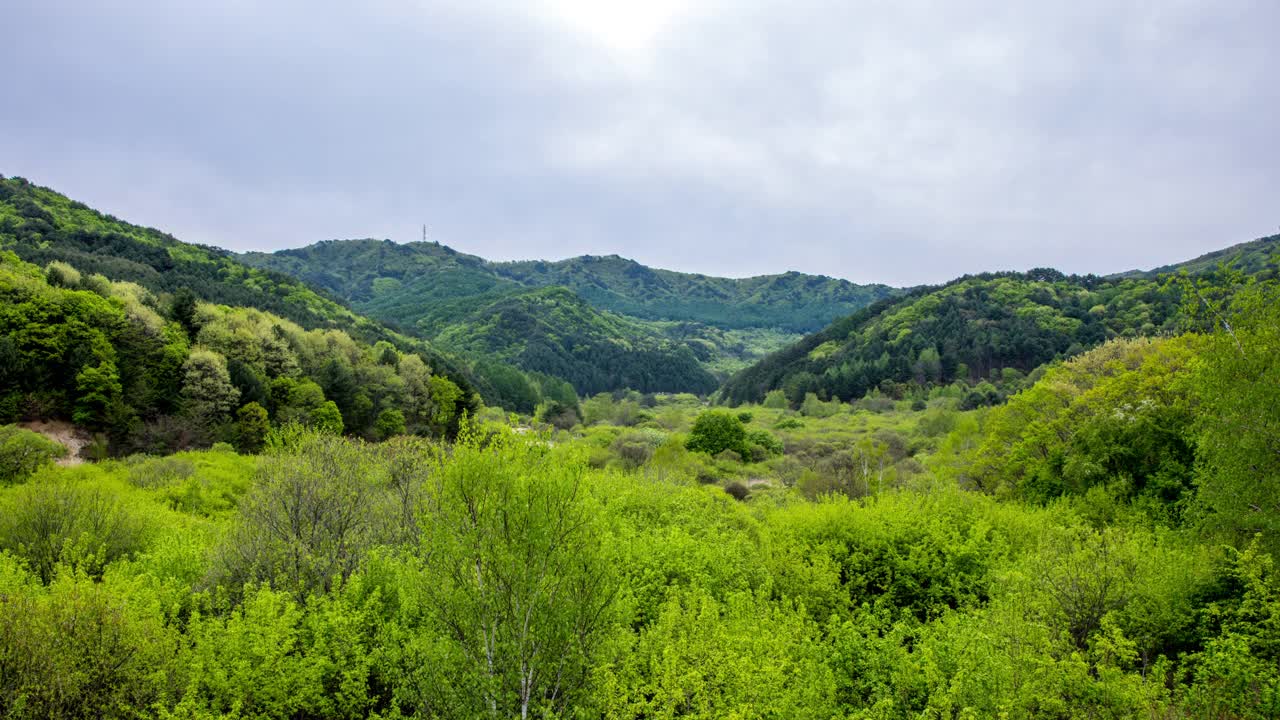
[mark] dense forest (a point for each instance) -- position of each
(1014, 495)
(42, 227)
(992, 328)
(415, 278)
(157, 377)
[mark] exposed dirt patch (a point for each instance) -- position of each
(69, 436)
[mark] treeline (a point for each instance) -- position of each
(159, 373)
(459, 301)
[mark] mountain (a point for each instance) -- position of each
(42, 226)
(993, 327)
(406, 283)
(1249, 257)
(634, 315)
(554, 331)
(792, 301)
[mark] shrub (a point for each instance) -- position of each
(55, 520)
(716, 431)
(22, 452)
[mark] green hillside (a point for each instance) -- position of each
(791, 301)
(437, 293)
(554, 331)
(1249, 257)
(42, 226)
(991, 327)
(158, 373)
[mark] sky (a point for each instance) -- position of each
(895, 141)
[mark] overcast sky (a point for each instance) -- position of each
(896, 141)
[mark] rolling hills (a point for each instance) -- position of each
(626, 321)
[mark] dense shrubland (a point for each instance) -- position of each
(1102, 545)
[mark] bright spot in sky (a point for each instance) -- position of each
(623, 26)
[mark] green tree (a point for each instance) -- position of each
(514, 579)
(776, 399)
(716, 431)
(252, 427)
(444, 403)
(206, 387)
(390, 423)
(1239, 442)
(327, 418)
(97, 388)
(182, 308)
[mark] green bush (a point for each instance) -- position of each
(716, 431)
(22, 452)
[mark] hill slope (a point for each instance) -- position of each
(1250, 257)
(41, 226)
(978, 327)
(791, 301)
(554, 331)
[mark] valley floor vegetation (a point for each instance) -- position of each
(1102, 544)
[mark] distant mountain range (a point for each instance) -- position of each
(600, 322)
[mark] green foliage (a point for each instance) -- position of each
(80, 648)
(389, 424)
(312, 515)
(53, 520)
(327, 418)
(716, 431)
(514, 579)
(23, 452)
(149, 276)
(413, 281)
(252, 427)
(1119, 417)
(703, 658)
(554, 332)
(1239, 420)
(972, 329)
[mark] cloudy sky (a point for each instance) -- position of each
(898, 141)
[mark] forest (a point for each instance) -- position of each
(1016, 495)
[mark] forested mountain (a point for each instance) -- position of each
(406, 283)
(978, 328)
(554, 331)
(791, 301)
(157, 375)
(1249, 257)
(450, 297)
(42, 226)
